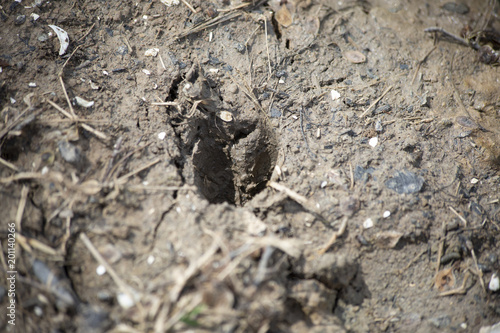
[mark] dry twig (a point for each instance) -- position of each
(333, 239)
(459, 216)
(376, 101)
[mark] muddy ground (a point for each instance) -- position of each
(266, 166)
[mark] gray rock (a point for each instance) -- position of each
(20, 19)
(440, 321)
(405, 182)
(69, 152)
(122, 50)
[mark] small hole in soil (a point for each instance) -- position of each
(233, 162)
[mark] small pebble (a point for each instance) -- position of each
(100, 270)
(373, 142)
(494, 284)
(405, 182)
(43, 37)
(474, 181)
(355, 57)
(368, 223)
(386, 214)
(69, 152)
(335, 95)
(122, 50)
(38, 311)
(458, 8)
(440, 321)
(162, 135)
(125, 301)
(20, 19)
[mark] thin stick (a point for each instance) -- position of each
(2, 259)
(456, 38)
(193, 268)
(352, 175)
(99, 258)
(74, 118)
(459, 216)
(97, 133)
(479, 271)
(292, 194)
(441, 247)
(376, 101)
(67, 97)
(122, 179)
(210, 23)
(66, 62)
(188, 5)
(20, 207)
(60, 109)
(243, 5)
(455, 91)
(412, 261)
(313, 155)
(267, 47)
(87, 33)
(8, 165)
(333, 239)
(424, 59)
(262, 270)
(162, 63)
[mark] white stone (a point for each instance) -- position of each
(100, 270)
(335, 95)
(494, 284)
(368, 223)
(152, 52)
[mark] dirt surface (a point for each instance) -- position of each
(275, 166)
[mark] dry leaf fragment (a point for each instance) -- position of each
(226, 116)
(388, 239)
(63, 38)
(355, 57)
(444, 278)
(284, 17)
(90, 187)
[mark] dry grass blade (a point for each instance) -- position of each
(52, 176)
(20, 207)
(303, 201)
(210, 23)
(125, 288)
(459, 216)
(123, 179)
(248, 92)
(376, 101)
(193, 268)
(334, 237)
(188, 5)
(31, 243)
(81, 122)
(9, 165)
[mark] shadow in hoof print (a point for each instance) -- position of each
(233, 149)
